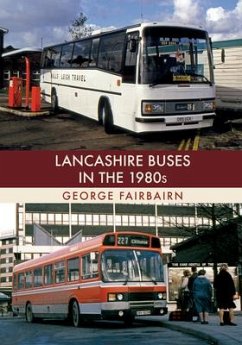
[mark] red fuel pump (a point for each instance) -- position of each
(15, 93)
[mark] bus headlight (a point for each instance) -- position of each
(120, 297)
(153, 108)
(112, 297)
(209, 105)
(161, 295)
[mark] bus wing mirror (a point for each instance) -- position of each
(132, 45)
(223, 55)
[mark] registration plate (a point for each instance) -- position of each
(182, 119)
(143, 312)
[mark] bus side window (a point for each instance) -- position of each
(15, 281)
(130, 61)
(21, 280)
(28, 279)
(73, 269)
(38, 277)
(59, 268)
(90, 266)
(48, 274)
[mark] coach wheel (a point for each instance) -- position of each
(54, 102)
(29, 313)
(75, 314)
(107, 118)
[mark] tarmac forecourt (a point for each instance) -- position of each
(213, 333)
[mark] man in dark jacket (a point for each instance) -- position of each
(225, 294)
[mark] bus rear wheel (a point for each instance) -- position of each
(54, 102)
(107, 118)
(75, 314)
(29, 313)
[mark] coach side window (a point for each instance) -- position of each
(94, 52)
(38, 277)
(55, 57)
(66, 55)
(111, 52)
(46, 61)
(59, 268)
(81, 54)
(73, 269)
(48, 275)
(129, 72)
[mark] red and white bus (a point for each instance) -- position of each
(112, 276)
(149, 77)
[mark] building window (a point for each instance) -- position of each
(58, 218)
(65, 218)
(51, 218)
(103, 219)
(36, 218)
(43, 218)
(74, 219)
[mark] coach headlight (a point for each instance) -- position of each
(209, 105)
(153, 108)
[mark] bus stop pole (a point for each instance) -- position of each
(27, 64)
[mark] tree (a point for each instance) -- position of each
(79, 28)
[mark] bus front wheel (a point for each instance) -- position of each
(29, 313)
(75, 314)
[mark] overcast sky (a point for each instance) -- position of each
(32, 22)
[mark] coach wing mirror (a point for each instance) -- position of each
(132, 45)
(223, 55)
